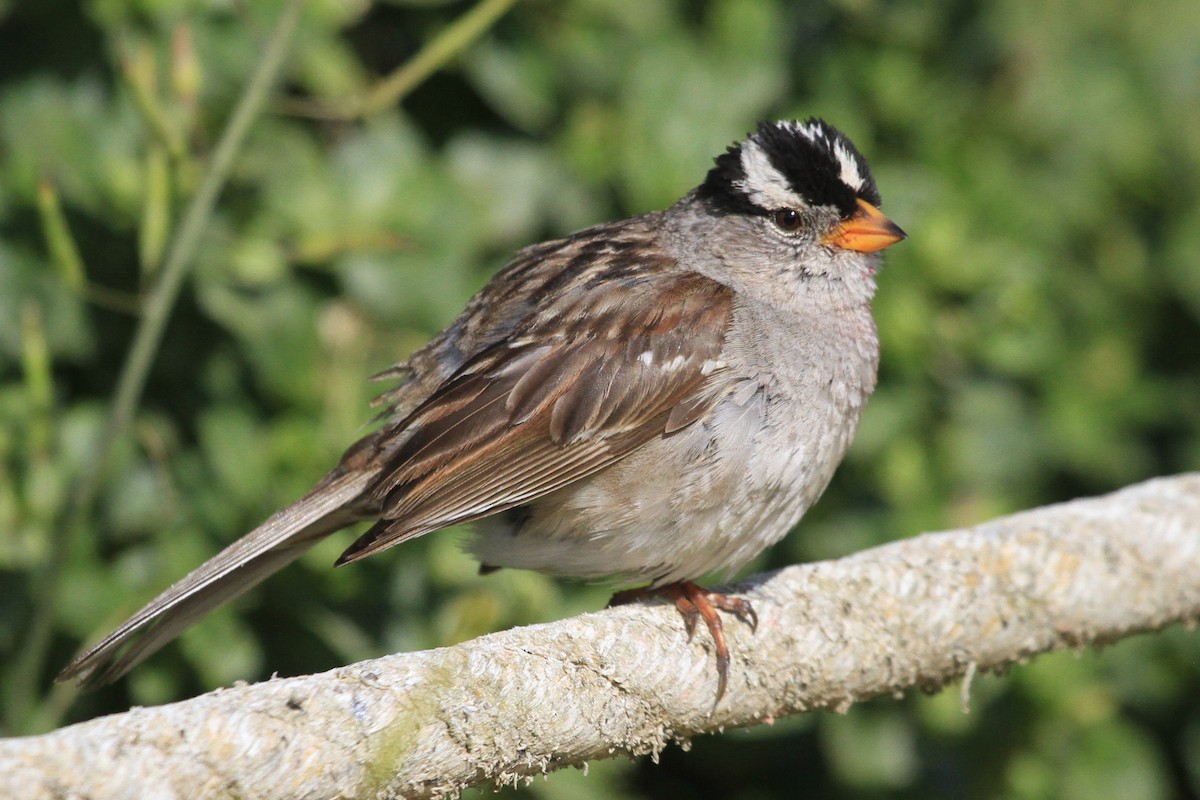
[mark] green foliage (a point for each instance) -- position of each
(1041, 326)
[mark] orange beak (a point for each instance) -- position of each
(867, 231)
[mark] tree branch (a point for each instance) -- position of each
(919, 612)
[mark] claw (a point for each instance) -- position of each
(740, 607)
(722, 673)
(687, 609)
(693, 602)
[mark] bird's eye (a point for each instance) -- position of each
(787, 220)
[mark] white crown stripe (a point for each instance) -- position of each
(849, 174)
(764, 185)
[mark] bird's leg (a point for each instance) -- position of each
(693, 603)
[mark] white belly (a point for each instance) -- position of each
(712, 496)
(708, 498)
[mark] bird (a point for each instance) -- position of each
(647, 401)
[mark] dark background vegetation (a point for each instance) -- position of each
(1041, 326)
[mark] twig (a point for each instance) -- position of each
(391, 89)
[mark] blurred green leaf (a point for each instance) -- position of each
(871, 750)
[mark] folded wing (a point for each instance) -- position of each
(526, 417)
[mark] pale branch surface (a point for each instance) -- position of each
(919, 612)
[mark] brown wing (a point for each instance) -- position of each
(601, 374)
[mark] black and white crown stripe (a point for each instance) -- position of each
(820, 133)
(791, 164)
(763, 184)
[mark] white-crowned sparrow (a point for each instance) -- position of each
(652, 399)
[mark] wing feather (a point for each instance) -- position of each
(268, 548)
(518, 422)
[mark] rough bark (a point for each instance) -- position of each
(917, 613)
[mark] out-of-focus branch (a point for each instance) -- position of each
(920, 612)
(399, 83)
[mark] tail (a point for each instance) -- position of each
(240, 566)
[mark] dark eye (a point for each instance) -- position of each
(787, 219)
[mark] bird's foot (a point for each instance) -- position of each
(694, 603)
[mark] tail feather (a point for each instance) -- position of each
(240, 566)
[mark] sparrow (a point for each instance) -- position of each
(649, 400)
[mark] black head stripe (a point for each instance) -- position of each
(723, 185)
(813, 166)
(812, 156)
